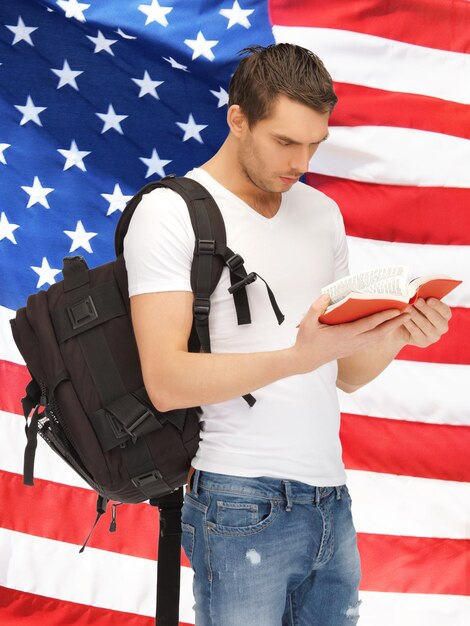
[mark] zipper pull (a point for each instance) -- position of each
(112, 527)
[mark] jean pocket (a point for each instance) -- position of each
(187, 540)
(240, 516)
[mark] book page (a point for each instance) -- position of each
(382, 280)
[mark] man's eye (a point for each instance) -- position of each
(283, 143)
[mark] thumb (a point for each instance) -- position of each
(320, 305)
(317, 308)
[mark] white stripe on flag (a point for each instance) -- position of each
(394, 156)
(97, 577)
(384, 63)
(47, 464)
(434, 393)
(386, 504)
(413, 609)
(8, 349)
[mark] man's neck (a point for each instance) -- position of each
(226, 170)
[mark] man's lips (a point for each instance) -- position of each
(289, 179)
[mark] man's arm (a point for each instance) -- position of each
(175, 378)
(428, 322)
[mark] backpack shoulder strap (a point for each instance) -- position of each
(210, 254)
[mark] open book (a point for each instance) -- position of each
(358, 295)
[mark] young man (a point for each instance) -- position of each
(267, 525)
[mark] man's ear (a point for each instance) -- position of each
(236, 120)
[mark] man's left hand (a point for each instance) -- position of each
(429, 321)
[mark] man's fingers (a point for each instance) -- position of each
(376, 319)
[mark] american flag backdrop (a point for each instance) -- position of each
(98, 98)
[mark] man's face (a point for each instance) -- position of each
(276, 151)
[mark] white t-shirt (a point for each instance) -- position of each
(292, 431)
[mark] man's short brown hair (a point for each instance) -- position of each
(267, 72)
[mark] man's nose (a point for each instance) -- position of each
(300, 160)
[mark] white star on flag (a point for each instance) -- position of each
(30, 112)
(155, 13)
(3, 147)
(111, 120)
(74, 156)
(22, 32)
(37, 194)
(117, 200)
(201, 46)
(148, 86)
(154, 164)
(74, 9)
(191, 129)
(237, 15)
(101, 43)
(221, 95)
(67, 76)
(46, 273)
(6, 229)
(175, 64)
(80, 238)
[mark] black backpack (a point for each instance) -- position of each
(86, 397)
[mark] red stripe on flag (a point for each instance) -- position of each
(430, 23)
(438, 451)
(19, 608)
(431, 215)
(64, 513)
(414, 564)
(13, 381)
(366, 106)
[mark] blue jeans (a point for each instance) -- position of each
(270, 552)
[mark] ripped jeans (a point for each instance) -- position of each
(270, 552)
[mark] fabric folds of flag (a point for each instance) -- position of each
(99, 98)
(397, 162)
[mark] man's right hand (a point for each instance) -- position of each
(318, 343)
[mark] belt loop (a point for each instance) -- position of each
(288, 495)
(317, 496)
(195, 482)
(338, 493)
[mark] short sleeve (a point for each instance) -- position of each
(159, 244)
(341, 249)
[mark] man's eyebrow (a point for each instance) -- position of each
(297, 143)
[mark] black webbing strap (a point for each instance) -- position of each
(142, 471)
(32, 397)
(201, 277)
(101, 504)
(30, 449)
(169, 557)
(238, 276)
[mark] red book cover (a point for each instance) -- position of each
(358, 304)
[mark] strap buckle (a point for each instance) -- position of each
(82, 313)
(121, 430)
(144, 480)
(201, 308)
(205, 246)
(250, 278)
(234, 262)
